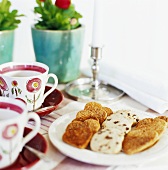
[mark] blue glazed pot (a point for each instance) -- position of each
(6, 46)
(60, 50)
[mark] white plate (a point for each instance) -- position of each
(58, 127)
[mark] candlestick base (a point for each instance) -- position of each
(82, 90)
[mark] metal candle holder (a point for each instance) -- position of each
(87, 89)
(96, 55)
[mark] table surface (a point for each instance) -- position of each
(61, 162)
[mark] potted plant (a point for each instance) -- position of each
(9, 20)
(58, 38)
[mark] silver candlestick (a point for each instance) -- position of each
(96, 55)
(87, 89)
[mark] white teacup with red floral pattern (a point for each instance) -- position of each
(26, 81)
(13, 119)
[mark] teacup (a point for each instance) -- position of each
(13, 118)
(26, 81)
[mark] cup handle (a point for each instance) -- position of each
(53, 87)
(35, 130)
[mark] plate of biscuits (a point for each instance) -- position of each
(106, 135)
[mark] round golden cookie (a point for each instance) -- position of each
(82, 115)
(74, 124)
(91, 105)
(100, 114)
(97, 111)
(77, 134)
(93, 124)
(108, 111)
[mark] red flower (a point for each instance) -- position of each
(3, 84)
(14, 83)
(33, 85)
(64, 4)
(10, 131)
(0, 157)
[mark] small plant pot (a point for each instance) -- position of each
(60, 50)
(6, 46)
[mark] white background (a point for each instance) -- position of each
(135, 31)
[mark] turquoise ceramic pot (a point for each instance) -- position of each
(60, 50)
(6, 46)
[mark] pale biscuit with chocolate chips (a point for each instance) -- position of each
(119, 122)
(107, 140)
(129, 114)
(121, 119)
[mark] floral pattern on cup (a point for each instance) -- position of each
(33, 86)
(15, 89)
(3, 86)
(10, 131)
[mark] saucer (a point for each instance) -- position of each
(27, 159)
(51, 102)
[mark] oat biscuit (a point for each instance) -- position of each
(82, 115)
(101, 115)
(108, 140)
(97, 111)
(91, 105)
(93, 124)
(138, 140)
(164, 118)
(144, 122)
(77, 134)
(158, 125)
(108, 111)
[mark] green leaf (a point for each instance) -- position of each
(8, 19)
(38, 2)
(14, 12)
(5, 5)
(38, 10)
(19, 91)
(1, 18)
(12, 91)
